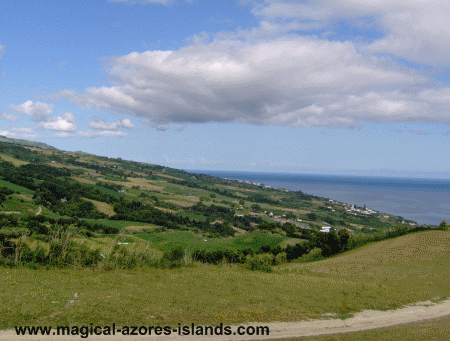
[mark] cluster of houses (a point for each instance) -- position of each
(352, 209)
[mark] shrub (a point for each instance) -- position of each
(175, 254)
(260, 262)
(313, 255)
(280, 258)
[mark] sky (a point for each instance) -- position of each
(296, 86)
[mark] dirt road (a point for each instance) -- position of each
(365, 320)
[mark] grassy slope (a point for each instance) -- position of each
(14, 187)
(383, 275)
(166, 240)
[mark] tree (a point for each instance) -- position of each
(256, 207)
(443, 225)
(312, 216)
(344, 239)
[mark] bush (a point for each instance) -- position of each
(260, 262)
(311, 256)
(255, 265)
(280, 258)
(175, 254)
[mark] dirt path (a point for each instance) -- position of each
(39, 210)
(365, 320)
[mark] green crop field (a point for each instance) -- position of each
(14, 187)
(166, 240)
(116, 223)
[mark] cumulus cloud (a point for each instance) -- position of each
(25, 132)
(7, 133)
(64, 123)
(271, 75)
(89, 134)
(286, 81)
(36, 109)
(19, 132)
(102, 125)
(415, 30)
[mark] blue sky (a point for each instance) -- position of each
(313, 86)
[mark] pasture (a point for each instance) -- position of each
(381, 276)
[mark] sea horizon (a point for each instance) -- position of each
(424, 200)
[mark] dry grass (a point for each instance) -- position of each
(102, 207)
(238, 230)
(236, 188)
(142, 183)
(141, 228)
(187, 197)
(180, 203)
(14, 161)
(167, 176)
(84, 180)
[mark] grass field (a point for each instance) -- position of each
(17, 204)
(120, 224)
(381, 276)
(16, 188)
(166, 240)
(102, 207)
(14, 161)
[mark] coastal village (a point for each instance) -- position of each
(304, 224)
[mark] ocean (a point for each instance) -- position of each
(426, 201)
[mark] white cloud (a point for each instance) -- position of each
(286, 81)
(7, 117)
(64, 123)
(90, 133)
(270, 75)
(19, 132)
(416, 30)
(35, 109)
(102, 125)
(25, 132)
(7, 133)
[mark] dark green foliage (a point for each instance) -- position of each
(259, 265)
(344, 240)
(296, 251)
(175, 254)
(312, 216)
(37, 228)
(77, 207)
(114, 187)
(4, 192)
